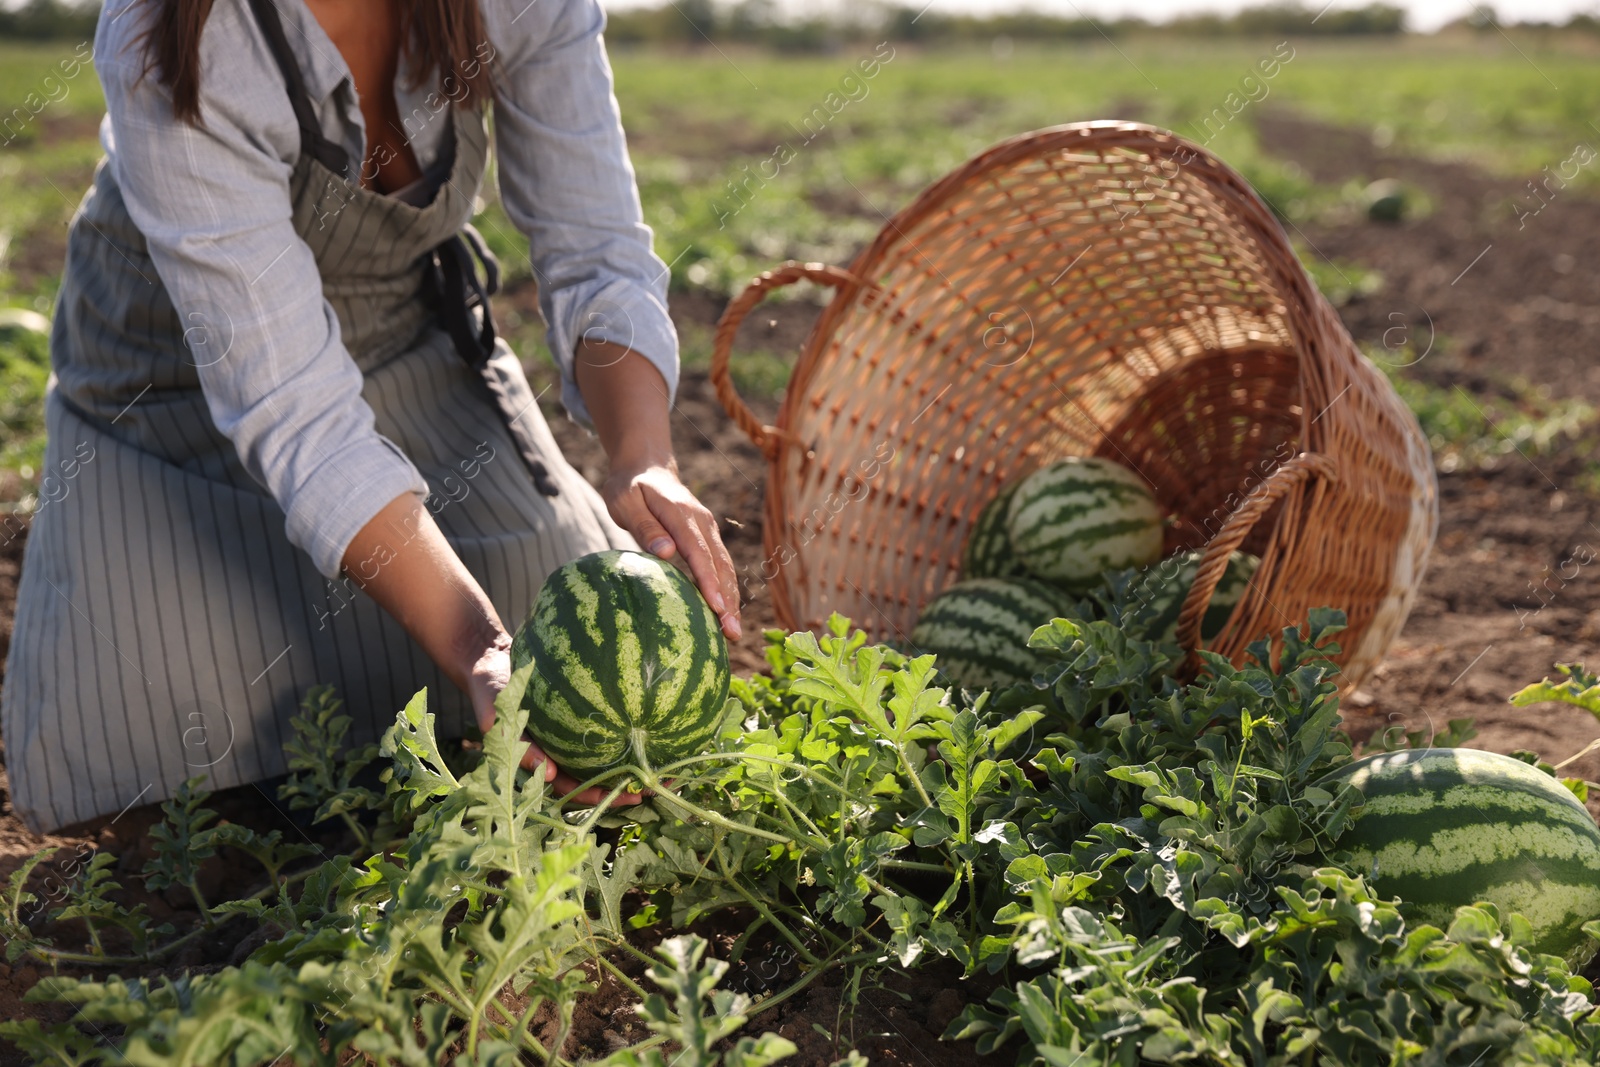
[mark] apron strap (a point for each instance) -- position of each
(313, 141)
(460, 297)
(452, 279)
(461, 293)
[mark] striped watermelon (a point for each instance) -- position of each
(1080, 516)
(979, 629)
(1446, 827)
(630, 665)
(1159, 593)
(988, 551)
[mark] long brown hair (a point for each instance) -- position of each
(442, 38)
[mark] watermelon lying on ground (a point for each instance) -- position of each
(1160, 591)
(988, 552)
(979, 629)
(1080, 516)
(1447, 827)
(629, 665)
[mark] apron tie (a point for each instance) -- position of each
(460, 294)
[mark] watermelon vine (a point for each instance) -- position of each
(1141, 872)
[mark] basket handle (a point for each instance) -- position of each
(1290, 474)
(766, 438)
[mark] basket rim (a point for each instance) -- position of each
(1293, 286)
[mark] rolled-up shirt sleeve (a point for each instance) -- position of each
(567, 183)
(213, 203)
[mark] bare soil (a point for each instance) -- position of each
(1502, 601)
(1507, 594)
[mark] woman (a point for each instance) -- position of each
(274, 365)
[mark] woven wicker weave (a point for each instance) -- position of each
(1099, 289)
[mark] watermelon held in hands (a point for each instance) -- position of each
(624, 664)
(979, 629)
(1447, 827)
(1080, 516)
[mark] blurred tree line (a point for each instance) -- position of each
(761, 22)
(50, 20)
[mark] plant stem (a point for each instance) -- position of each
(641, 956)
(811, 773)
(790, 809)
(521, 1038)
(205, 910)
(552, 1054)
(1584, 751)
(905, 761)
(449, 996)
(810, 976)
(363, 842)
(782, 927)
(972, 896)
(653, 783)
(58, 955)
(616, 972)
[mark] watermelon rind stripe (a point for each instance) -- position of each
(979, 629)
(629, 660)
(1546, 904)
(1487, 843)
(1441, 828)
(1079, 516)
(988, 552)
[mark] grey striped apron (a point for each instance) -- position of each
(165, 626)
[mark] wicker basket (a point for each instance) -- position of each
(1105, 289)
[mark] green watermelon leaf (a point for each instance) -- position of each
(420, 771)
(1579, 688)
(60, 1044)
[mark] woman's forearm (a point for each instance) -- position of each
(627, 399)
(402, 560)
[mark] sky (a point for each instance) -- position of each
(1424, 14)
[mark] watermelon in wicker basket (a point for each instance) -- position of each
(1100, 289)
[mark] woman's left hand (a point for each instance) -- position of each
(627, 398)
(650, 502)
(488, 675)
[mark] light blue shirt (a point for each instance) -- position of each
(213, 204)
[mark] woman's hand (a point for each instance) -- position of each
(627, 399)
(404, 563)
(652, 504)
(488, 676)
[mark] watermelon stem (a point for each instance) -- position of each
(809, 773)
(811, 975)
(620, 975)
(1590, 747)
(914, 865)
(653, 783)
(812, 834)
(777, 924)
(1247, 725)
(652, 780)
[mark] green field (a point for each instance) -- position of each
(744, 159)
(698, 122)
(1117, 866)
